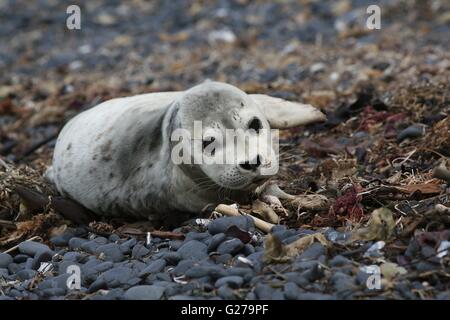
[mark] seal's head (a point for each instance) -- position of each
(228, 139)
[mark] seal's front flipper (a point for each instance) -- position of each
(283, 114)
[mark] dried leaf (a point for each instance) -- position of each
(235, 232)
(275, 251)
(423, 188)
(390, 270)
(310, 202)
(265, 211)
(380, 227)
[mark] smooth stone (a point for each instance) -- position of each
(175, 244)
(114, 237)
(111, 294)
(5, 260)
(248, 249)
(182, 267)
(72, 256)
(291, 291)
(92, 245)
(32, 247)
(42, 256)
(314, 296)
(172, 258)
(13, 268)
(26, 274)
(20, 258)
(339, 261)
(200, 236)
(232, 246)
(225, 292)
(243, 272)
(424, 266)
(154, 267)
(144, 292)
(313, 274)
(113, 278)
(139, 251)
(263, 291)
(233, 282)
(205, 270)
(313, 252)
(4, 272)
(127, 245)
(221, 225)
(193, 249)
(50, 292)
(343, 284)
(76, 243)
(216, 240)
(223, 258)
(111, 251)
(297, 278)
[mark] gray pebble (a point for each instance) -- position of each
(4, 272)
(76, 243)
(315, 296)
(139, 251)
(111, 251)
(153, 267)
(291, 291)
(193, 249)
(26, 274)
(92, 245)
(221, 225)
(225, 292)
(42, 256)
(200, 236)
(20, 258)
(113, 278)
(263, 291)
(72, 256)
(182, 267)
(114, 237)
(144, 292)
(172, 258)
(32, 247)
(313, 252)
(233, 282)
(339, 261)
(199, 271)
(127, 245)
(215, 241)
(5, 260)
(232, 246)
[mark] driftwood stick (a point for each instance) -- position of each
(16, 246)
(232, 212)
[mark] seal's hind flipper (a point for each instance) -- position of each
(283, 114)
(49, 175)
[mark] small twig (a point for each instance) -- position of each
(230, 211)
(16, 246)
(8, 224)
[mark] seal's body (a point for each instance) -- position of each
(116, 158)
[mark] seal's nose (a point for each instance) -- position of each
(251, 165)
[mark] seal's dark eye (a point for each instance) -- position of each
(255, 124)
(207, 142)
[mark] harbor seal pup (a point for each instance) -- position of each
(115, 159)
